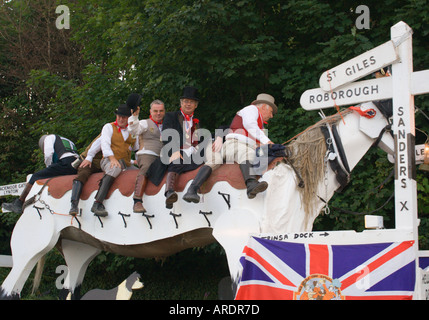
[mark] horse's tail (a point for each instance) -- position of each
(38, 274)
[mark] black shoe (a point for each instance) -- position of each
(15, 206)
(74, 209)
(253, 185)
(76, 191)
(202, 175)
(99, 210)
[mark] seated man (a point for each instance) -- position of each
(116, 146)
(89, 163)
(149, 134)
(185, 125)
(59, 154)
(246, 134)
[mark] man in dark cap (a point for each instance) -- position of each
(180, 158)
(116, 146)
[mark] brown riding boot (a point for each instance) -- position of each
(141, 183)
(170, 194)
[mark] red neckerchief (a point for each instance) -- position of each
(156, 122)
(187, 117)
(264, 122)
(119, 128)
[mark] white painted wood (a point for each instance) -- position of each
(354, 93)
(420, 82)
(358, 67)
(404, 131)
(12, 189)
(6, 261)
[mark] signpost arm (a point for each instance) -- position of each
(404, 131)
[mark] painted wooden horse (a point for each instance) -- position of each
(225, 214)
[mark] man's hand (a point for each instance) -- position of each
(217, 144)
(136, 112)
(175, 155)
(114, 163)
(85, 163)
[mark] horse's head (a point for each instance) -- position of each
(375, 123)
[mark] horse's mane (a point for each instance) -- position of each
(307, 156)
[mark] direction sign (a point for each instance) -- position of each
(420, 153)
(420, 82)
(359, 67)
(361, 91)
(12, 189)
(357, 92)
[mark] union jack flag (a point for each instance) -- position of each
(273, 270)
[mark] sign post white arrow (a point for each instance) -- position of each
(359, 67)
(354, 93)
(361, 91)
(12, 189)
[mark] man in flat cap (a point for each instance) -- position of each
(246, 134)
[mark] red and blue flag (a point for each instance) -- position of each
(277, 270)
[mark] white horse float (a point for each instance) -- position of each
(225, 214)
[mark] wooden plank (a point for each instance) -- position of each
(359, 67)
(355, 93)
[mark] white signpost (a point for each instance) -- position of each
(12, 189)
(361, 91)
(359, 67)
(354, 93)
(337, 89)
(420, 153)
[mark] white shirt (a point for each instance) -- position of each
(48, 150)
(106, 140)
(250, 116)
(95, 148)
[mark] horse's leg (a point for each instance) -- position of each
(32, 237)
(232, 230)
(78, 256)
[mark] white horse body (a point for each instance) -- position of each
(278, 210)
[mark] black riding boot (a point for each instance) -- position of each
(202, 175)
(75, 196)
(252, 183)
(98, 207)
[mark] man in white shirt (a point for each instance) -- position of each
(116, 146)
(59, 153)
(149, 134)
(246, 134)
